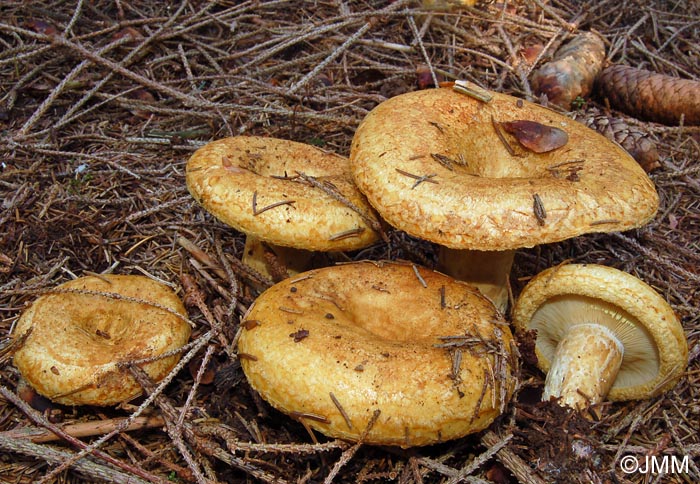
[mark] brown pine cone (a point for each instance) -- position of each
(650, 96)
(633, 140)
(572, 70)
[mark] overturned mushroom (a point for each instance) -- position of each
(78, 334)
(292, 196)
(601, 333)
(484, 196)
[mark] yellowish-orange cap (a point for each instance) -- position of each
(405, 354)
(655, 349)
(433, 165)
(80, 332)
(257, 185)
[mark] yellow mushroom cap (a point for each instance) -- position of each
(332, 346)
(432, 164)
(83, 329)
(655, 350)
(252, 184)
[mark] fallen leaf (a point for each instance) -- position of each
(142, 95)
(130, 32)
(208, 373)
(535, 136)
(672, 221)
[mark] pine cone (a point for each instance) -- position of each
(572, 70)
(650, 96)
(633, 140)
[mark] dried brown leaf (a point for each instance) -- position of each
(535, 136)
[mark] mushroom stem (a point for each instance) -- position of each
(487, 270)
(288, 261)
(585, 365)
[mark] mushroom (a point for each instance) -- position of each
(439, 165)
(382, 353)
(601, 333)
(292, 196)
(79, 334)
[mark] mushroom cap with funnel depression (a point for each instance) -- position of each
(432, 164)
(385, 353)
(79, 334)
(257, 186)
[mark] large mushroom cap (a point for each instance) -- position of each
(332, 346)
(84, 328)
(432, 164)
(253, 184)
(655, 350)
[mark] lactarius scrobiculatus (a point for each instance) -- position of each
(294, 197)
(601, 334)
(383, 353)
(443, 166)
(78, 336)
